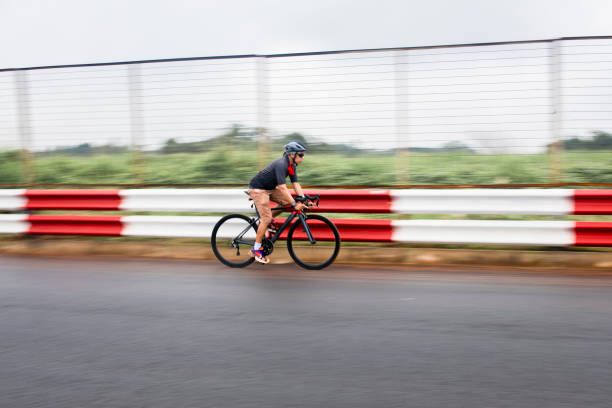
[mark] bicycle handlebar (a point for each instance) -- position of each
(315, 199)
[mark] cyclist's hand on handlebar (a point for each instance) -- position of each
(309, 201)
(299, 206)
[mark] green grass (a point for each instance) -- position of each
(237, 167)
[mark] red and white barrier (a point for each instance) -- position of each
(483, 201)
(413, 201)
(548, 233)
(13, 200)
(14, 224)
(423, 201)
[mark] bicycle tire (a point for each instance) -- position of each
(336, 239)
(216, 241)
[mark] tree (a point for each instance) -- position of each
(456, 146)
(599, 141)
(295, 136)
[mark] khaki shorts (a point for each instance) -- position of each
(262, 199)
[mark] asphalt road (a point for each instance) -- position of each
(132, 333)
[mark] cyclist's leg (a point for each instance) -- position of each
(261, 198)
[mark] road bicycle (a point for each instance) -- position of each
(313, 241)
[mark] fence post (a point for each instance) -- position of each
(24, 126)
(136, 121)
(263, 142)
(556, 127)
(402, 136)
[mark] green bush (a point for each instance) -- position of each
(589, 174)
(10, 172)
(105, 169)
(56, 170)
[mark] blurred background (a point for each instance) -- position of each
(200, 92)
(528, 112)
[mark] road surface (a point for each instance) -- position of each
(132, 333)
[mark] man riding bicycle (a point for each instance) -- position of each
(270, 184)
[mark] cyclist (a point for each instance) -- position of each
(270, 185)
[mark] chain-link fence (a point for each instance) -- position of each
(524, 112)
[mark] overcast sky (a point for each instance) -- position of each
(52, 32)
(491, 98)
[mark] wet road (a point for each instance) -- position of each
(127, 333)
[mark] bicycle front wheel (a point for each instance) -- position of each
(316, 255)
(232, 238)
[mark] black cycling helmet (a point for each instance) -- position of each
(294, 147)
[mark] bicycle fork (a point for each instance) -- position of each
(306, 229)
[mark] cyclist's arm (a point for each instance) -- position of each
(298, 188)
(283, 189)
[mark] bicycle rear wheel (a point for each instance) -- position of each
(320, 254)
(232, 238)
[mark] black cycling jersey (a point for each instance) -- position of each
(274, 174)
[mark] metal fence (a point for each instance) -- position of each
(479, 113)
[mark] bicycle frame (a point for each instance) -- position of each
(273, 239)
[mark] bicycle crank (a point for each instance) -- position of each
(267, 246)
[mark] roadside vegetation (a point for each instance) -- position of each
(232, 158)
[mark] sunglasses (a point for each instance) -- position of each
(300, 154)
